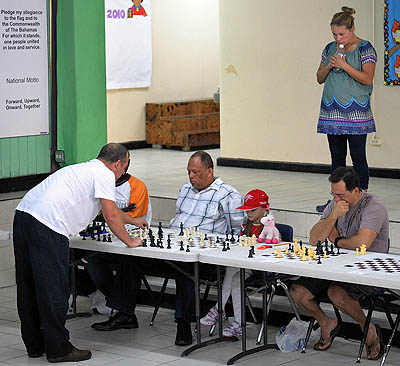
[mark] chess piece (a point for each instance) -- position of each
(287, 249)
(205, 237)
(357, 251)
(227, 246)
(232, 237)
(223, 247)
(325, 256)
(98, 237)
(278, 253)
(319, 260)
(250, 254)
(181, 226)
(109, 238)
(144, 244)
(187, 248)
(169, 241)
(212, 244)
(181, 248)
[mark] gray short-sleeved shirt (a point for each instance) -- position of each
(368, 213)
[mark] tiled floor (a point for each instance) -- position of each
(150, 346)
(164, 172)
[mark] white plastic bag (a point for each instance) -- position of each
(291, 337)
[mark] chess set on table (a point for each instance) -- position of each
(162, 238)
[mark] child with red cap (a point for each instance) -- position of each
(256, 206)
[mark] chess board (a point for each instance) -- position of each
(377, 264)
(164, 238)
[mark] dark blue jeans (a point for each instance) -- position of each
(42, 274)
(338, 149)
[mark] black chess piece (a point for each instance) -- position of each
(332, 252)
(169, 241)
(98, 237)
(144, 243)
(232, 237)
(301, 244)
(109, 238)
(187, 249)
(217, 239)
(326, 246)
(223, 246)
(104, 238)
(250, 254)
(161, 246)
(306, 251)
(205, 237)
(227, 246)
(319, 260)
(181, 248)
(181, 226)
(152, 243)
(252, 250)
(227, 237)
(160, 230)
(338, 251)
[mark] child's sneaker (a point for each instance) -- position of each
(233, 329)
(212, 317)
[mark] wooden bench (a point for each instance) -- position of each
(186, 124)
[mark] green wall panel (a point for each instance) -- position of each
(24, 156)
(82, 114)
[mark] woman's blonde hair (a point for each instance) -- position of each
(344, 17)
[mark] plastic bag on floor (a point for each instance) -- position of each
(291, 337)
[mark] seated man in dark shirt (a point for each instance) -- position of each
(351, 219)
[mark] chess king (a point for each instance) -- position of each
(352, 218)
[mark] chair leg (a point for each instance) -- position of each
(148, 288)
(211, 332)
(396, 325)
(287, 293)
(248, 303)
(308, 335)
(340, 321)
(205, 295)
(366, 327)
(271, 296)
(164, 286)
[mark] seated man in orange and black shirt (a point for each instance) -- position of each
(132, 197)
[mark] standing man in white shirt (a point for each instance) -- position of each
(62, 205)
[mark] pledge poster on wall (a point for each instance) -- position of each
(128, 43)
(24, 104)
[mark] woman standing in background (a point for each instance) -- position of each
(347, 70)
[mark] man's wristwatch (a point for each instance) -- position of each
(337, 241)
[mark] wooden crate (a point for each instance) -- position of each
(185, 124)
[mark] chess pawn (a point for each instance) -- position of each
(212, 244)
(357, 251)
(303, 256)
(287, 250)
(278, 254)
(240, 241)
(201, 243)
(253, 240)
(325, 256)
(209, 243)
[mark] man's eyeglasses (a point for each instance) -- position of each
(340, 196)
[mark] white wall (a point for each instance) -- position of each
(269, 111)
(185, 65)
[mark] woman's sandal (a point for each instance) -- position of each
(378, 341)
(327, 341)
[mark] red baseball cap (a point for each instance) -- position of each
(254, 199)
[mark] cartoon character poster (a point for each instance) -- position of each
(128, 43)
(392, 42)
